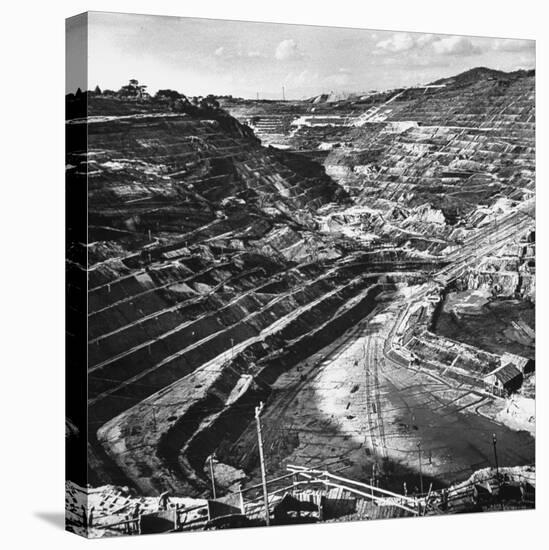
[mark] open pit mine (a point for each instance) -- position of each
(304, 311)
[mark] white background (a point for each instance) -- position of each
(32, 307)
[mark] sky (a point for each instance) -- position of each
(244, 59)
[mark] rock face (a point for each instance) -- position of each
(215, 264)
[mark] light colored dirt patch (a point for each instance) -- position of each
(350, 406)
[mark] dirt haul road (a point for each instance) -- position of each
(350, 406)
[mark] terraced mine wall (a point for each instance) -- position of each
(223, 431)
(217, 330)
(508, 273)
(473, 141)
(215, 264)
(431, 160)
(204, 261)
(209, 423)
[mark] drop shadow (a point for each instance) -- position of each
(56, 519)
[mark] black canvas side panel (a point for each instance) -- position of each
(76, 271)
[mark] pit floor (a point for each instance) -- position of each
(350, 407)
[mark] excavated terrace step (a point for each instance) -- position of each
(126, 385)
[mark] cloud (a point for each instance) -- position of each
(286, 50)
(399, 42)
(427, 44)
(455, 45)
(426, 39)
(232, 54)
(512, 45)
(416, 44)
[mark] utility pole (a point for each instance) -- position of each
(283, 94)
(262, 461)
(494, 442)
(210, 459)
(241, 499)
(420, 471)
